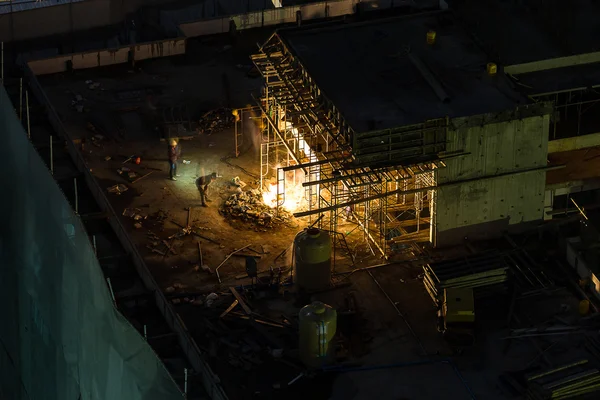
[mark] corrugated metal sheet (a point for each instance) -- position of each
(7, 7)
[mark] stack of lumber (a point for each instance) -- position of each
(572, 381)
(471, 272)
(485, 273)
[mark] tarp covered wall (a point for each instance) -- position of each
(60, 334)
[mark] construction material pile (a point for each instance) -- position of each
(572, 381)
(473, 272)
(487, 273)
(248, 206)
(215, 121)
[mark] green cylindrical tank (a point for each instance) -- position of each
(318, 323)
(312, 259)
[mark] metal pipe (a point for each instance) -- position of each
(51, 157)
(94, 244)
(423, 189)
(145, 333)
(185, 382)
(21, 99)
(76, 196)
(2, 62)
(399, 313)
(27, 113)
(276, 130)
(112, 294)
(225, 260)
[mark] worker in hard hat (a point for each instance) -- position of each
(202, 184)
(173, 153)
(236, 115)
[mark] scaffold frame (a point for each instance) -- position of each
(381, 181)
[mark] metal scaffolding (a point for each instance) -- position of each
(383, 182)
(575, 111)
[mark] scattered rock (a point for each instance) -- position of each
(248, 206)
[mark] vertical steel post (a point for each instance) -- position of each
(27, 113)
(21, 99)
(185, 382)
(76, 196)
(145, 333)
(51, 157)
(112, 294)
(2, 61)
(94, 244)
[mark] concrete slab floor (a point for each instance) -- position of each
(377, 334)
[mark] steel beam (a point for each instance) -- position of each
(420, 190)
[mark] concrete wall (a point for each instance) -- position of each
(103, 58)
(61, 19)
(499, 183)
(284, 15)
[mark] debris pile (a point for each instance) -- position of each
(215, 121)
(160, 246)
(117, 189)
(248, 206)
(136, 215)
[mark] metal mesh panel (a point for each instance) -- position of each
(60, 335)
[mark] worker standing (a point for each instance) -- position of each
(174, 153)
(202, 184)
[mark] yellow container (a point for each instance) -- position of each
(492, 69)
(431, 36)
(584, 307)
(318, 324)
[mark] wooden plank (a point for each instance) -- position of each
(238, 297)
(231, 307)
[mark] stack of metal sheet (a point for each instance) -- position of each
(470, 272)
(575, 380)
(486, 273)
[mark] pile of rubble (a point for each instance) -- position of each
(248, 206)
(216, 121)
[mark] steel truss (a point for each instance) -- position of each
(382, 181)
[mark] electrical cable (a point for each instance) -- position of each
(245, 171)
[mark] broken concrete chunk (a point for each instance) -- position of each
(212, 296)
(137, 225)
(169, 289)
(118, 189)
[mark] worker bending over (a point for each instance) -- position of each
(202, 184)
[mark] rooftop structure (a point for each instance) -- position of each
(384, 74)
(391, 118)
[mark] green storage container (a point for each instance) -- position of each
(318, 323)
(312, 259)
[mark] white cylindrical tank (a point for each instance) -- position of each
(312, 259)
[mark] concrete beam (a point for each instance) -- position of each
(574, 143)
(553, 63)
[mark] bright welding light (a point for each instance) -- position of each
(291, 194)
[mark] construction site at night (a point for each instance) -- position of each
(357, 201)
